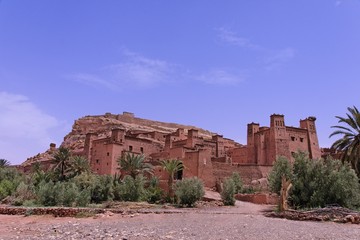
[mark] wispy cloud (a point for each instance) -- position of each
(24, 128)
(338, 3)
(278, 58)
(271, 58)
(232, 38)
(135, 70)
(221, 77)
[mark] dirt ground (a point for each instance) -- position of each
(244, 221)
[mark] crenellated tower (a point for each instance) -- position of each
(252, 128)
(279, 139)
(313, 143)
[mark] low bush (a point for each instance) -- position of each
(237, 182)
(282, 167)
(130, 189)
(101, 188)
(189, 190)
(228, 192)
(153, 192)
(317, 182)
(10, 178)
(45, 194)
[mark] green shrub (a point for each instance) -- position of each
(282, 167)
(24, 192)
(321, 182)
(6, 188)
(189, 190)
(317, 182)
(70, 194)
(102, 189)
(83, 198)
(237, 182)
(62, 194)
(30, 203)
(130, 189)
(45, 194)
(10, 174)
(228, 192)
(154, 193)
(10, 178)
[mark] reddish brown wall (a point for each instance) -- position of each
(198, 164)
(247, 173)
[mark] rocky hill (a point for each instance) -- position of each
(102, 126)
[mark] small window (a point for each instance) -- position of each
(301, 139)
(108, 153)
(141, 149)
(130, 148)
(97, 160)
(292, 138)
(178, 175)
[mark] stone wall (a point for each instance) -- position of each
(55, 211)
(258, 198)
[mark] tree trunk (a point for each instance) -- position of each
(170, 185)
(284, 194)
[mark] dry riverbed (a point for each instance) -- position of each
(244, 221)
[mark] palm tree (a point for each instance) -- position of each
(38, 174)
(349, 143)
(78, 165)
(172, 166)
(62, 162)
(4, 163)
(134, 164)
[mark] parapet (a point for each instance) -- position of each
(128, 114)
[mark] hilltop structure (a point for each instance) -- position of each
(209, 156)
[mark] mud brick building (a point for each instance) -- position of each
(209, 158)
(264, 144)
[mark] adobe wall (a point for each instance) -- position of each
(298, 140)
(177, 153)
(247, 173)
(198, 164)
(262, 147)
(103, 155)
(239, 155)
(141, 146)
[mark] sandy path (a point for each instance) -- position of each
(244, 221)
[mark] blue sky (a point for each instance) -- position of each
(214, 64)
